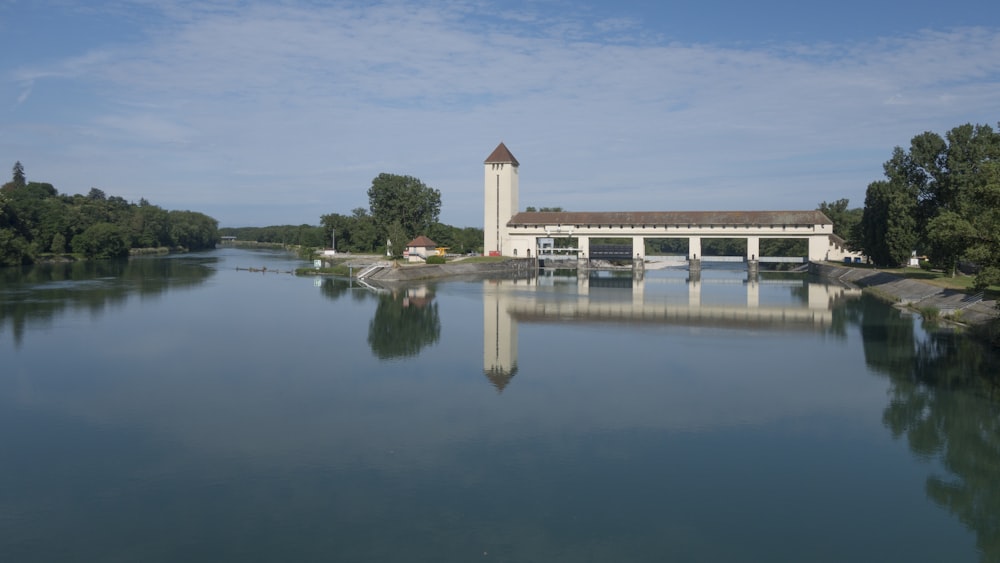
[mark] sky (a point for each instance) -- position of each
(278, 112)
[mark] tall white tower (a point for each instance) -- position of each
(501, 199)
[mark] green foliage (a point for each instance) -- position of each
(192, 230)
(888, 228)
(102, 240)
(58, 244)
(397, 235)
(149, 226)
(941, 197)
(352, 233)
(436, 260)
(13, 249)
(784, 247)
(948, 234)
(666, 246)
(402, 207)
(292, 235)
(17, 177)
(457, 240)
(930, 313)
(404, 200)
(724, 246)
(35, 218)
(846, 222)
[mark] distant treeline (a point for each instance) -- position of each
(291, 235)
(37, 222)
(353, 233)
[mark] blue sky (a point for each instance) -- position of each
(262, 113)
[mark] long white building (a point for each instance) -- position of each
(508, 231)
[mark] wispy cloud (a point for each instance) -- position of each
(226, 93)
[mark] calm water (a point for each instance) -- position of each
(180, 409)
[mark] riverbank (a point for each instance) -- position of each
(404, 273)
(953, 305)
(394, 271)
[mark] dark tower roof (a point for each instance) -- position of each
(501, 155)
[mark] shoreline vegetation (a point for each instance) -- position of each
(38, 225)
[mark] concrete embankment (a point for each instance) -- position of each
(957, 305)
(417, 272)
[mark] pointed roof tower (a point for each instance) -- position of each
(501, 154)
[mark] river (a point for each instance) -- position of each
(184, 408)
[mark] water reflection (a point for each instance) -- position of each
(940, 400)
(406, 320)
(290, 436)
(943, 400)
(38, 295)
(793, 303)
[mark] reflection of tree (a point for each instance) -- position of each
(39, 293)
(944, 400)
(335, 288)
(404, 323)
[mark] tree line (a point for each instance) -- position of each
(37, 222)
(400, 209)
(940, 198)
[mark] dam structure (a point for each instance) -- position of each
(510, 232)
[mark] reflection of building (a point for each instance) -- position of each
(587, 299)
(499, 336)
(418, 296)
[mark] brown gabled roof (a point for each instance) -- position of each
(422, 242)
(651, 218)
(501, 155)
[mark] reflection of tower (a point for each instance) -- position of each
(500, 199)
(499, 338)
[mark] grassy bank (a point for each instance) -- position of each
(960, 282)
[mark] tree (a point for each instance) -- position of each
(149, 226)
(404, 199)
(354, 233)
(397, 235)
(947, 235)
(192, 230)
(949, 179)
(18, 180)
(102, 240)
(845, 221)
(984, 242)
(888, 228)
(58, 245)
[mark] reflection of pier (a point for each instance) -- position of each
(586, 299)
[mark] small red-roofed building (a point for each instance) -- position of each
(418, 249)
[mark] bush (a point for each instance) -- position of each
(930, 313)
(436, 260)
